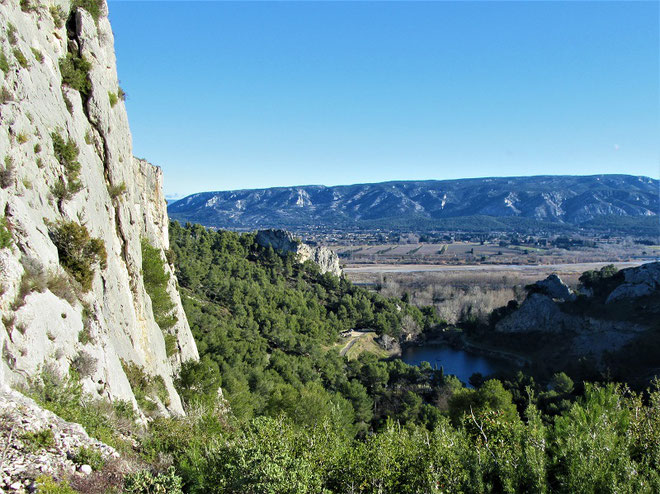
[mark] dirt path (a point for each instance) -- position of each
(354, 337)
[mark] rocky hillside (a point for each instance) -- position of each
(83, 276)
(285, 242)
(613, 320)
(567, 200)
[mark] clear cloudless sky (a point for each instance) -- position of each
(230, 95)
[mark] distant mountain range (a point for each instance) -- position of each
(620, 202)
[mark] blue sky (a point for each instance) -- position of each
(230, 95)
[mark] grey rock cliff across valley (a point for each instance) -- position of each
(284, 241)
(48, 320)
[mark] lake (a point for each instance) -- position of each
(458, 362)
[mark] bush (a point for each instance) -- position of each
(4, 62)
(89, 456)
(60, 284)
(5, 235)
(145, 482)
(20, 58)
(66, 153)
(11, 33)
(39, 440)
(46, 485)
(75, 73)
(37, 55)
(155, 282)
(78, 252)
(5, 95)
(116, 190)
(58, 14)
(63, 396)
(145, 386)
(91, 6)
(113, 98)
(7, 173)
(171, 346)
(84, 364)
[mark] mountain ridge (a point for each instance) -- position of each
(563, 199)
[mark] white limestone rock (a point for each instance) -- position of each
(116, 312)
(283, 241)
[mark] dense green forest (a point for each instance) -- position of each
(304, 419)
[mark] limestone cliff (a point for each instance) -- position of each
(66, 159)
(284, 241)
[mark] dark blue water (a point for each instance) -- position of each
(458, 362)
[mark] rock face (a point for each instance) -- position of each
(639, 282)
(284, 241)
(567, 200)
(554, 288)
(544, 311)
(47, 317)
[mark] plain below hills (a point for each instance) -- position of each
(622, 203)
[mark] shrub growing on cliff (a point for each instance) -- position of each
(66, 153)
(5, 235)
(145, 386)
(20, 58)
(91, 6)
(79, 253)
(4, 63)
(155, 282)
(75, 73)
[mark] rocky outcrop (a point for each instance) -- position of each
(52, 130)
(36, 442)
(638, 282)
(554, 288)
(550, 308)
(283, 241)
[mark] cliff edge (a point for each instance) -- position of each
(78, 212)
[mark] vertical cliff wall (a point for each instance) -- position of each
(66, 163)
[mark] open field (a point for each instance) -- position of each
(492, 252)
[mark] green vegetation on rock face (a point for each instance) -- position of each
(155, 282)
(5, 235)
(75, 73)
(79, 253)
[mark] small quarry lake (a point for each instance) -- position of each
(454, 361)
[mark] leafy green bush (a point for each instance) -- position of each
(113, 98)
(64, 397)
(5, 235)
(75, 73)
(4, 62)
(145, 386)
(91, 6)
(39, 439)
(46, 485)
(39, 57)
(79, 253)
(145, 482)
(155, 282)
(20, 58)
(89, 456)
(58, 14)
(66, 153)
(116, 190)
